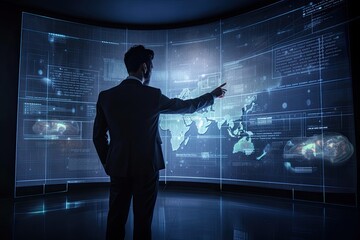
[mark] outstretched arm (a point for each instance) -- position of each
(176, 105)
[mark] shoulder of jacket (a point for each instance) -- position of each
(103, 92)
(108, 90)
(153, 89)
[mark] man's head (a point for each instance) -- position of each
(139, 59)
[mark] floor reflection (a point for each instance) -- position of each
(185, 214)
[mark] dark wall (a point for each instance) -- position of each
(10, 25)
(354, 37)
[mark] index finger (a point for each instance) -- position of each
(222, 85)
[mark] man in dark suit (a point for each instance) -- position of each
(128, 143)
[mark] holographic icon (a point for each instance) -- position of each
(56, 127)
(330, 148)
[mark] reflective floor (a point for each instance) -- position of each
(180, 214)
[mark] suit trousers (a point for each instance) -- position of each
(143, 192)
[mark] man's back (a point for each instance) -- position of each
(131, 111)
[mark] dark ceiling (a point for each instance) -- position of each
(142, 12)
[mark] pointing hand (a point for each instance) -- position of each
(219, 92)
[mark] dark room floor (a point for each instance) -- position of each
(180, 214)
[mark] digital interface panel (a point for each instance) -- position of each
(287, 120)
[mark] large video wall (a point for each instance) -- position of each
(287, 120)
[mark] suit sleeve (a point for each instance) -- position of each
(100, 137)
(176, 105)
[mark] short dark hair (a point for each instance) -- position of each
(136, 56)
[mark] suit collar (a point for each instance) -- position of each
(131, 81)
(135, 78)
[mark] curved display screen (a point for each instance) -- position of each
(287, 120)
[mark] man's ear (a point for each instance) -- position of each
(144, 67)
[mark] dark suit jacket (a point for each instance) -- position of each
(130, 113)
